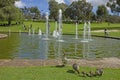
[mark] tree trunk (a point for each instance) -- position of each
(9, 21)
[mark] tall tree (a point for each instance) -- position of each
(31, 13)
(35, 12)
(26, 12)
(53, 7)
(115, 6)
(102, 12)
(8, 11)
(63, 6)
(79, 10)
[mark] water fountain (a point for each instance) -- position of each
(84, 33)
(40, 32)
(47, 27)
(60, 26)
(29, 31)
(55, 32)
(87, 33)
(76, 37)
(76, 48)
(38, 48)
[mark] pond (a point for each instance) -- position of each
(24, 46)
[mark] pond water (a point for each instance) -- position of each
(26, 46)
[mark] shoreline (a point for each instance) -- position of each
(102, 63)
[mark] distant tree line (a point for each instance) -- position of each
(82, 10)
(31, 13)
(77, 10)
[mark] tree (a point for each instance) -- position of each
(102, 12)
(63, 7)
(9, 12)
(31, 13)
(26, 12)
(114, 6)
(53, 7)
(80, 9)
(35, 13)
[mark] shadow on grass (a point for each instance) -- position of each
(60, 66)
(71, 71)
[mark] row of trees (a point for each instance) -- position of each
(77, 10)
(82, 10)
(31, 13)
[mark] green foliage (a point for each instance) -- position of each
(53, 7)
(80, 10)
(9, 12)
(31, 13)
(102, 12)
(63, 7)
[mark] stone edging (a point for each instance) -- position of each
(103, 63)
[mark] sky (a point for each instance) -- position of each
(44, 7)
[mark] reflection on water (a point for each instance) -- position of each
(35, 47)
(86, 51)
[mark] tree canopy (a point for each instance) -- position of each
(8, 11)
(77, 10)
(53, 7)
(102, 12)
(31, 13)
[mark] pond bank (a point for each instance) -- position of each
(104, 63)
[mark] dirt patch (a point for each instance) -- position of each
(104, 63)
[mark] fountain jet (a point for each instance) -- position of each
(60, 26)
(40, 32)
(55, 32)
(47, 27)
(87, 33)
(76, 37)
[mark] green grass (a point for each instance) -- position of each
(98, 26)
(53, 73)
(67, 28)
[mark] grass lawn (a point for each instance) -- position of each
(67, 28)
(53, 73)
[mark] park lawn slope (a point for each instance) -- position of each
(67, 28)
(53, 73)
